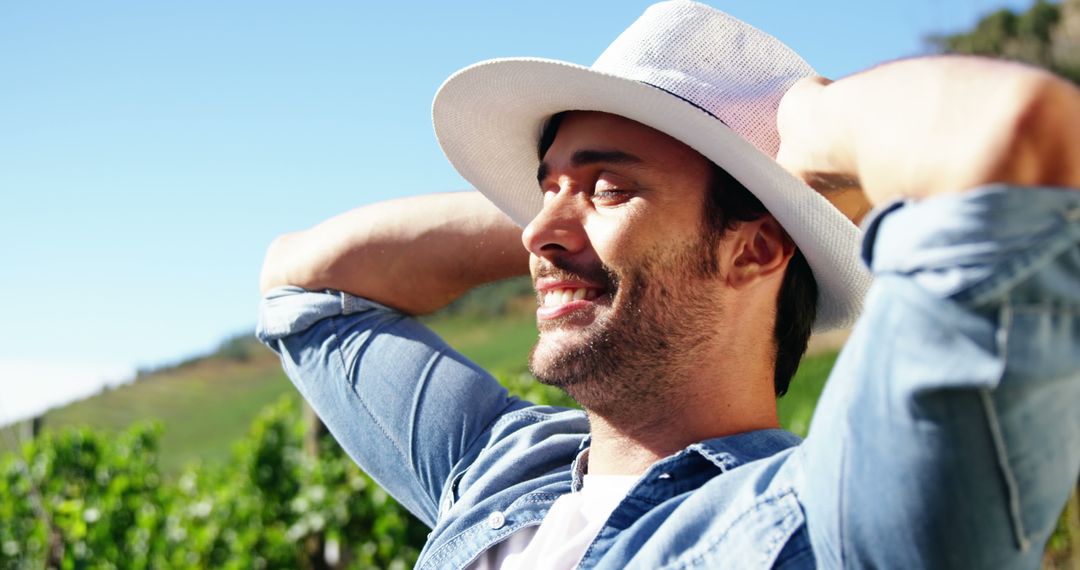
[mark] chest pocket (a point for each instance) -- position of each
(752, 538)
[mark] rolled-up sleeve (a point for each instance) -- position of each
(947, 436)
(404, 405)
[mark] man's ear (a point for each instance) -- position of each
(761, 249)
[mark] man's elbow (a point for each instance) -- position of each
(1045, 146)
(279, 265)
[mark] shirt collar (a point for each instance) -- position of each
(726, 453)
(731, 451)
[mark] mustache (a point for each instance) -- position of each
(566, 270)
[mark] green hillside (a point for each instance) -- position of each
(203, 406)
(208, 403)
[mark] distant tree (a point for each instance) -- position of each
(1046, 35)
(238, 348)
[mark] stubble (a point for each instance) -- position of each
(636, 358)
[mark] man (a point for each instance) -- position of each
(670, 301)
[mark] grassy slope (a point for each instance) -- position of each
(203, 406)
(209, 403)
(500, 345)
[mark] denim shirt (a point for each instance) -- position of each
(945, 438)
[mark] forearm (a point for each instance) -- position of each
(928, 126)
(415, 254)
(961, 434)
(950, 412)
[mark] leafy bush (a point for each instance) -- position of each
(85, 499)
(78, 498)
(90, 499)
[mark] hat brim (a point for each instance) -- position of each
(488, 118)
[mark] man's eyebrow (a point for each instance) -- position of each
(587, 157)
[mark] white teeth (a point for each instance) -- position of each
(557, 297)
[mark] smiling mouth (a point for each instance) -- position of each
(569, 293)
(558, 297)
(559, 302)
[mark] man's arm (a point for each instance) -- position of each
(946, 435)
(407, 408)
(922, 127)
(415, 254)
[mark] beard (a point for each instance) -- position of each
(637, 354)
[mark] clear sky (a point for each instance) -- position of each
(149, 151)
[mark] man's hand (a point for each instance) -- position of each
(415, 254)
(920, 127)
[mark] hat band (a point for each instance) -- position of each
(699, 107)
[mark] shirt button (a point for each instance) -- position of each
(496, 520)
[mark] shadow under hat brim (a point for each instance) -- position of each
(488, 119)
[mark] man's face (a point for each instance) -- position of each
(626, 296)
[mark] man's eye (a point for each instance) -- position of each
(609, 194)
(608, 191)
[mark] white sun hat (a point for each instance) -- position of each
(685, 69)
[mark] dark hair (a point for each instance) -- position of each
(728, 203)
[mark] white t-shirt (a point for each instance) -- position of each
(565, 533)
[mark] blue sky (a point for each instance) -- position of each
(149, 151)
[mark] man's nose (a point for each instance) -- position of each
(559, 226)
